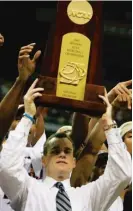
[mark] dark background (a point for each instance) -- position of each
(25, 22)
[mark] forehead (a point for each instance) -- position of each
(128, 133)
(60, 142)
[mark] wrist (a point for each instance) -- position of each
(21, 80)
(109, 125)
(29, 116)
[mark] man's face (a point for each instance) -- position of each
(59, 160)
(128, 141)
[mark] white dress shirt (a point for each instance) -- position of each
(35, 153)
(117, 205)
(4, 206)
(28, 194)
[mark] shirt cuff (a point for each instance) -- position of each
(113, 136)
(24, 126)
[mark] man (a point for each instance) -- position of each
(55, 192)
(26, 67)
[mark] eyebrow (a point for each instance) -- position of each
(57, 147)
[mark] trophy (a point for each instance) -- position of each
(70, 71)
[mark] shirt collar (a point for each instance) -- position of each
(50, 182)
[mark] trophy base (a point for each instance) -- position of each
(92, 104)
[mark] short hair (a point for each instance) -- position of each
(55, 135)
(65, 129)
(125, 128)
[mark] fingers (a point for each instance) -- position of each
(125, 98)
(1, 40)
(35, 95)
(24, 57)
(31, 95)
(124, 89)
(32, 90)
(129, 102)
(105, 92)
(36, 56)
(25, 50)
(121, 88)
(127, 83)
(33, 84)
(30, 46)
(20, 106)
(104, 99)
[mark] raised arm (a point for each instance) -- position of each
(94, 140)
(120, 89)
(26, 67)
(117, 174)
(14, 179)
(80, 128)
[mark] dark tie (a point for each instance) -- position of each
(62, 200)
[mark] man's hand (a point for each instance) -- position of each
(107, 116)
(26, 66)
(1, 40)
(123, 101)
(29, 98)
(120, 89)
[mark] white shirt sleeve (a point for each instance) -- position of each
(35, 153)
(103, 192)
(14, 179)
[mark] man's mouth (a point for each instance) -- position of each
(61, 161)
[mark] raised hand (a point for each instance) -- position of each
(1, 40)
(120, 89)
(26, 65)
(107, 116)
(29, 98)
(123, 101)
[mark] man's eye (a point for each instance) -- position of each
(67, 151)
(55, 151)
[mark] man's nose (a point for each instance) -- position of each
(62, 154)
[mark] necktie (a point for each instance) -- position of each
(62, 200)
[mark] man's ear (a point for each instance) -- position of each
(44, 161)
(74, 162)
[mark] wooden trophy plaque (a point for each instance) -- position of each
(71, 66)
